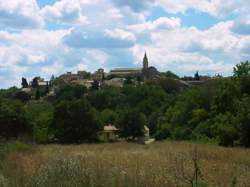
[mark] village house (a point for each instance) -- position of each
(110, 133)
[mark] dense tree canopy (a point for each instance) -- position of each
(215, 110)
(75, 121)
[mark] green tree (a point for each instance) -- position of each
(39, 116)
(12, 121)
(70, 92)
(244, 121)
(131, 123)
(75, 122)
(242, 74)
(38, 93)
(197, 76)
(8, 93)
(95, 85)
(224, 129)
(108, 116)
(24, 83)
(34, 82)
(170, 74)
(22, 96)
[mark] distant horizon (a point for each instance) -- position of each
(45, 37)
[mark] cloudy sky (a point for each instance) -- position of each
(45, 37)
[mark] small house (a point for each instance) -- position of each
(110, 133)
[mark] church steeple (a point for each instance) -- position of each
(145, 61)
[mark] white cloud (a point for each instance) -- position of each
(121, 34)
(162, 23)
(18, 14)
(66, 11)
(212, 7)
(53, 69)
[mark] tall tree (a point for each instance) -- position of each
(197, 76)
(34, 82)
(131, 123)
(75, 121)
(24, 83)
(242, 74)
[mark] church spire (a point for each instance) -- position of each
(145, 61)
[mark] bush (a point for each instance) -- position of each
(163, 132)
(12, 147)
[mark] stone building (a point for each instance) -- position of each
(145, 72)
(110, 133)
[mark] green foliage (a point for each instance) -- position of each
(8, 93)
(12, 121)
(244, 121)
(170, 74)
(242, 75)
(22, 96)
(75, 121)
(216, 110)
(10, 147)
(108, 97)
(39, 116)
(70, 92)
(224, 129)
(95, 85)
(24, 83)
(131, 123)
(108, 117)
(163, 132)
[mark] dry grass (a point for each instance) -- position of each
(126, 164)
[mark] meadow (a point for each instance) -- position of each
(123, 164)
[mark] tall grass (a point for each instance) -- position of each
(128, 165)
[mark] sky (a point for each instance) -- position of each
(45, 37)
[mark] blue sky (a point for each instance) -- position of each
(45, 37)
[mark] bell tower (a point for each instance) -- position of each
(145, 62)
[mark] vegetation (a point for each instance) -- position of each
(124, 164)
(215, 111)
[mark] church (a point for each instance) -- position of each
(146, 72)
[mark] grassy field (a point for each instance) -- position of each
(126, 164)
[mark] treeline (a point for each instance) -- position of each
(216, 111)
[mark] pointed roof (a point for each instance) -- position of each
(145, 55)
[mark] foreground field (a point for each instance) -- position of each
(126, 164)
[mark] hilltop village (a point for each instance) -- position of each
(116, 77)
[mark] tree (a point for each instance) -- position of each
(38, 94)
(95, 85)
(224, 129)
(34, 82)
(108, 116)
(244, 121)
(170, 74)
(131, 123)
(47, 88)
(242, 70)
(22, 96)
(242, 75)
(128, 80)
(75, 121)
(12, 121)
(197, 76)
(8, 93)
(39, 116)
(24, 83)
(70, 92)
